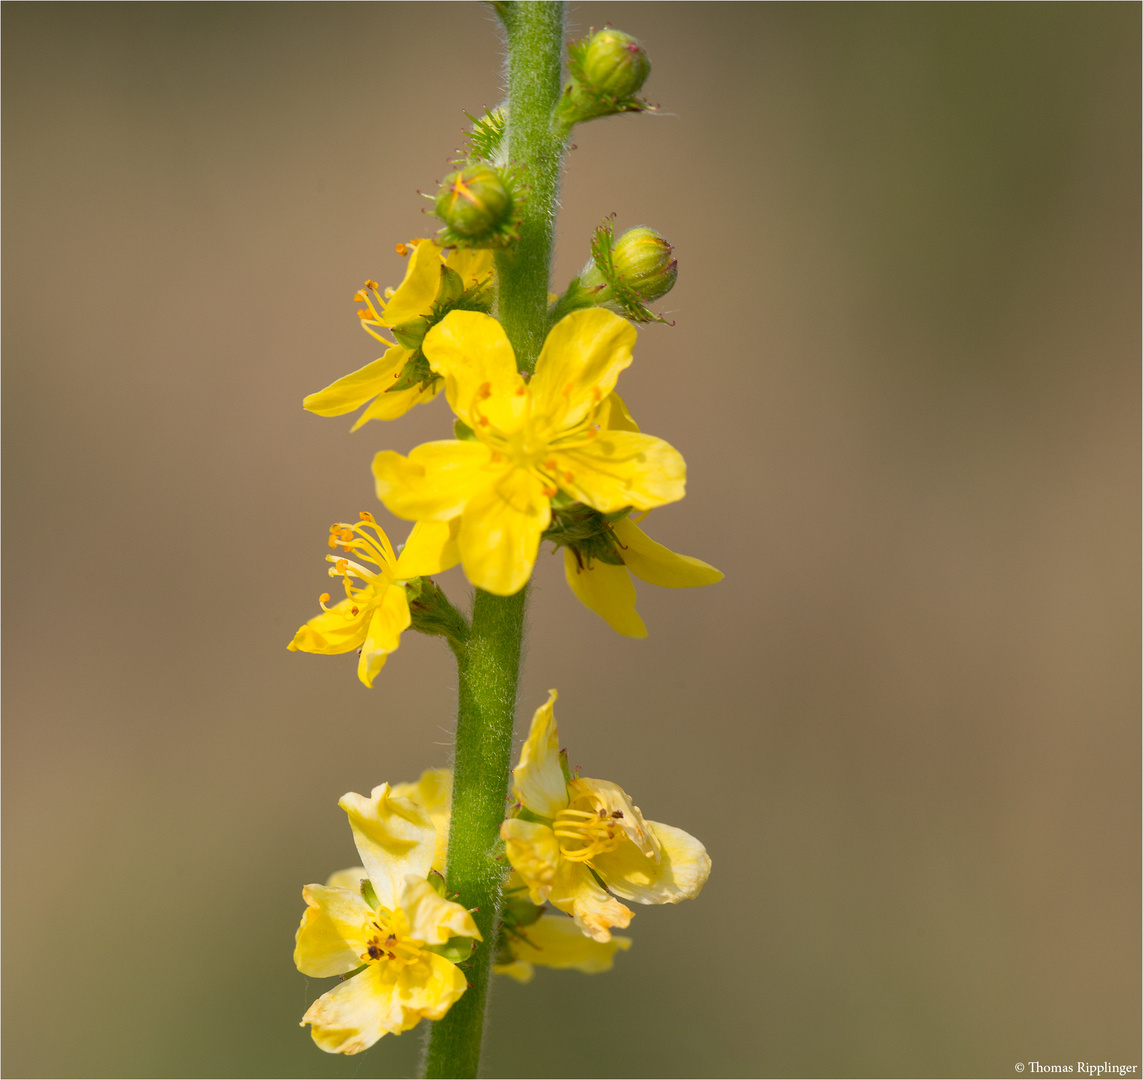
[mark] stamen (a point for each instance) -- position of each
(549, 491)
(370, 283)
(485, 390)
(402, 250)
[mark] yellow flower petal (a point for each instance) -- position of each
(679, 873)
(618, 416)
(350, 879)
(432, 918)
(595, 911)
(356, 1013)
(433, 793)
(500, 532)
(534, 852)
(472, 264)
(394, 838)
(471, 351)
(330, 939)
(353, 390)
(579, 364)
(659, 565)
(606, 590)
(555, 941)
(430, 549)
(389, 618)
(415, 295)
(517, 969)
(335, 631)
(538, 780)
(623, 468)
(429, 989)
(392, 404)
(436, 480)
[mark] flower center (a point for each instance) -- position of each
(584, 834)
(386, 940)
(368, 542)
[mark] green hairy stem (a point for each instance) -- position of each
(488, 661)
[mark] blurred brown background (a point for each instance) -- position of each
(904, 376)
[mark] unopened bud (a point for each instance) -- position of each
(474, 202)
(643, 260)
(615, 64)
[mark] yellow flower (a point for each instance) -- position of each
(555, 941)
(413, 300)
(575, 833)
(531, 441)
(376, 608)
(389, 933)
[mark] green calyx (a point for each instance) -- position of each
(585, 531)
(607, 70)
(451, 296)
(479, 205)
(486, 139)
(433, 614)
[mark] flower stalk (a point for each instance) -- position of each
(488, 663)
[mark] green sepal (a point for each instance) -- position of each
(355, 971)
(455, 949)
(416, 372)
(437, 881)
(524, 814)
(586, 531)
(484, 141)
(565, 768)
(369, 895)
(432, 613)
(462, 431)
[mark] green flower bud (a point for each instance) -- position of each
(615, 64)
(474, 202)
(642, 259)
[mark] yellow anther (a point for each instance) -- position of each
(402, 250)
(324, 598)
(596, 396)
(485, 390)
(364, 314)
(370, 284)
(548, 491)
(568, 477)
(521, 391)
(568, 389)
(360, 296)
(550, 465)
(365, 515)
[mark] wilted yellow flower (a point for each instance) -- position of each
(375, 610)
(387, 935)
(579, 832)
(531, 441)
(413, 300)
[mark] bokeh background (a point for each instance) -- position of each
(904, 374)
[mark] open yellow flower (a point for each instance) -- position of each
(415, 299)
(389, 933)
(573, 833)
(375, 610)
(531, 441)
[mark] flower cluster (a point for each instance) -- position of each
(399, 943)
(540, 448)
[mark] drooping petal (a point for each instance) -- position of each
(500, 531)
(330, 940)
(389, 619)
(519, 970)
(353, 390)
(577, 893)
(578, 366)
(415, 295)
(427, 990)
(356, 1013)
(432, 918)
(606, 590)
(619, 417)
(622, 468)
(595, 795)
(538, 780)
(334, 631)
(430, 549)
(471, 351)
(534, 852)
(394, 837)
(659, 565)
(555, 941)
(350, 879)
(679, 873)
(433, 793)
(436, 480)
(392, 404)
